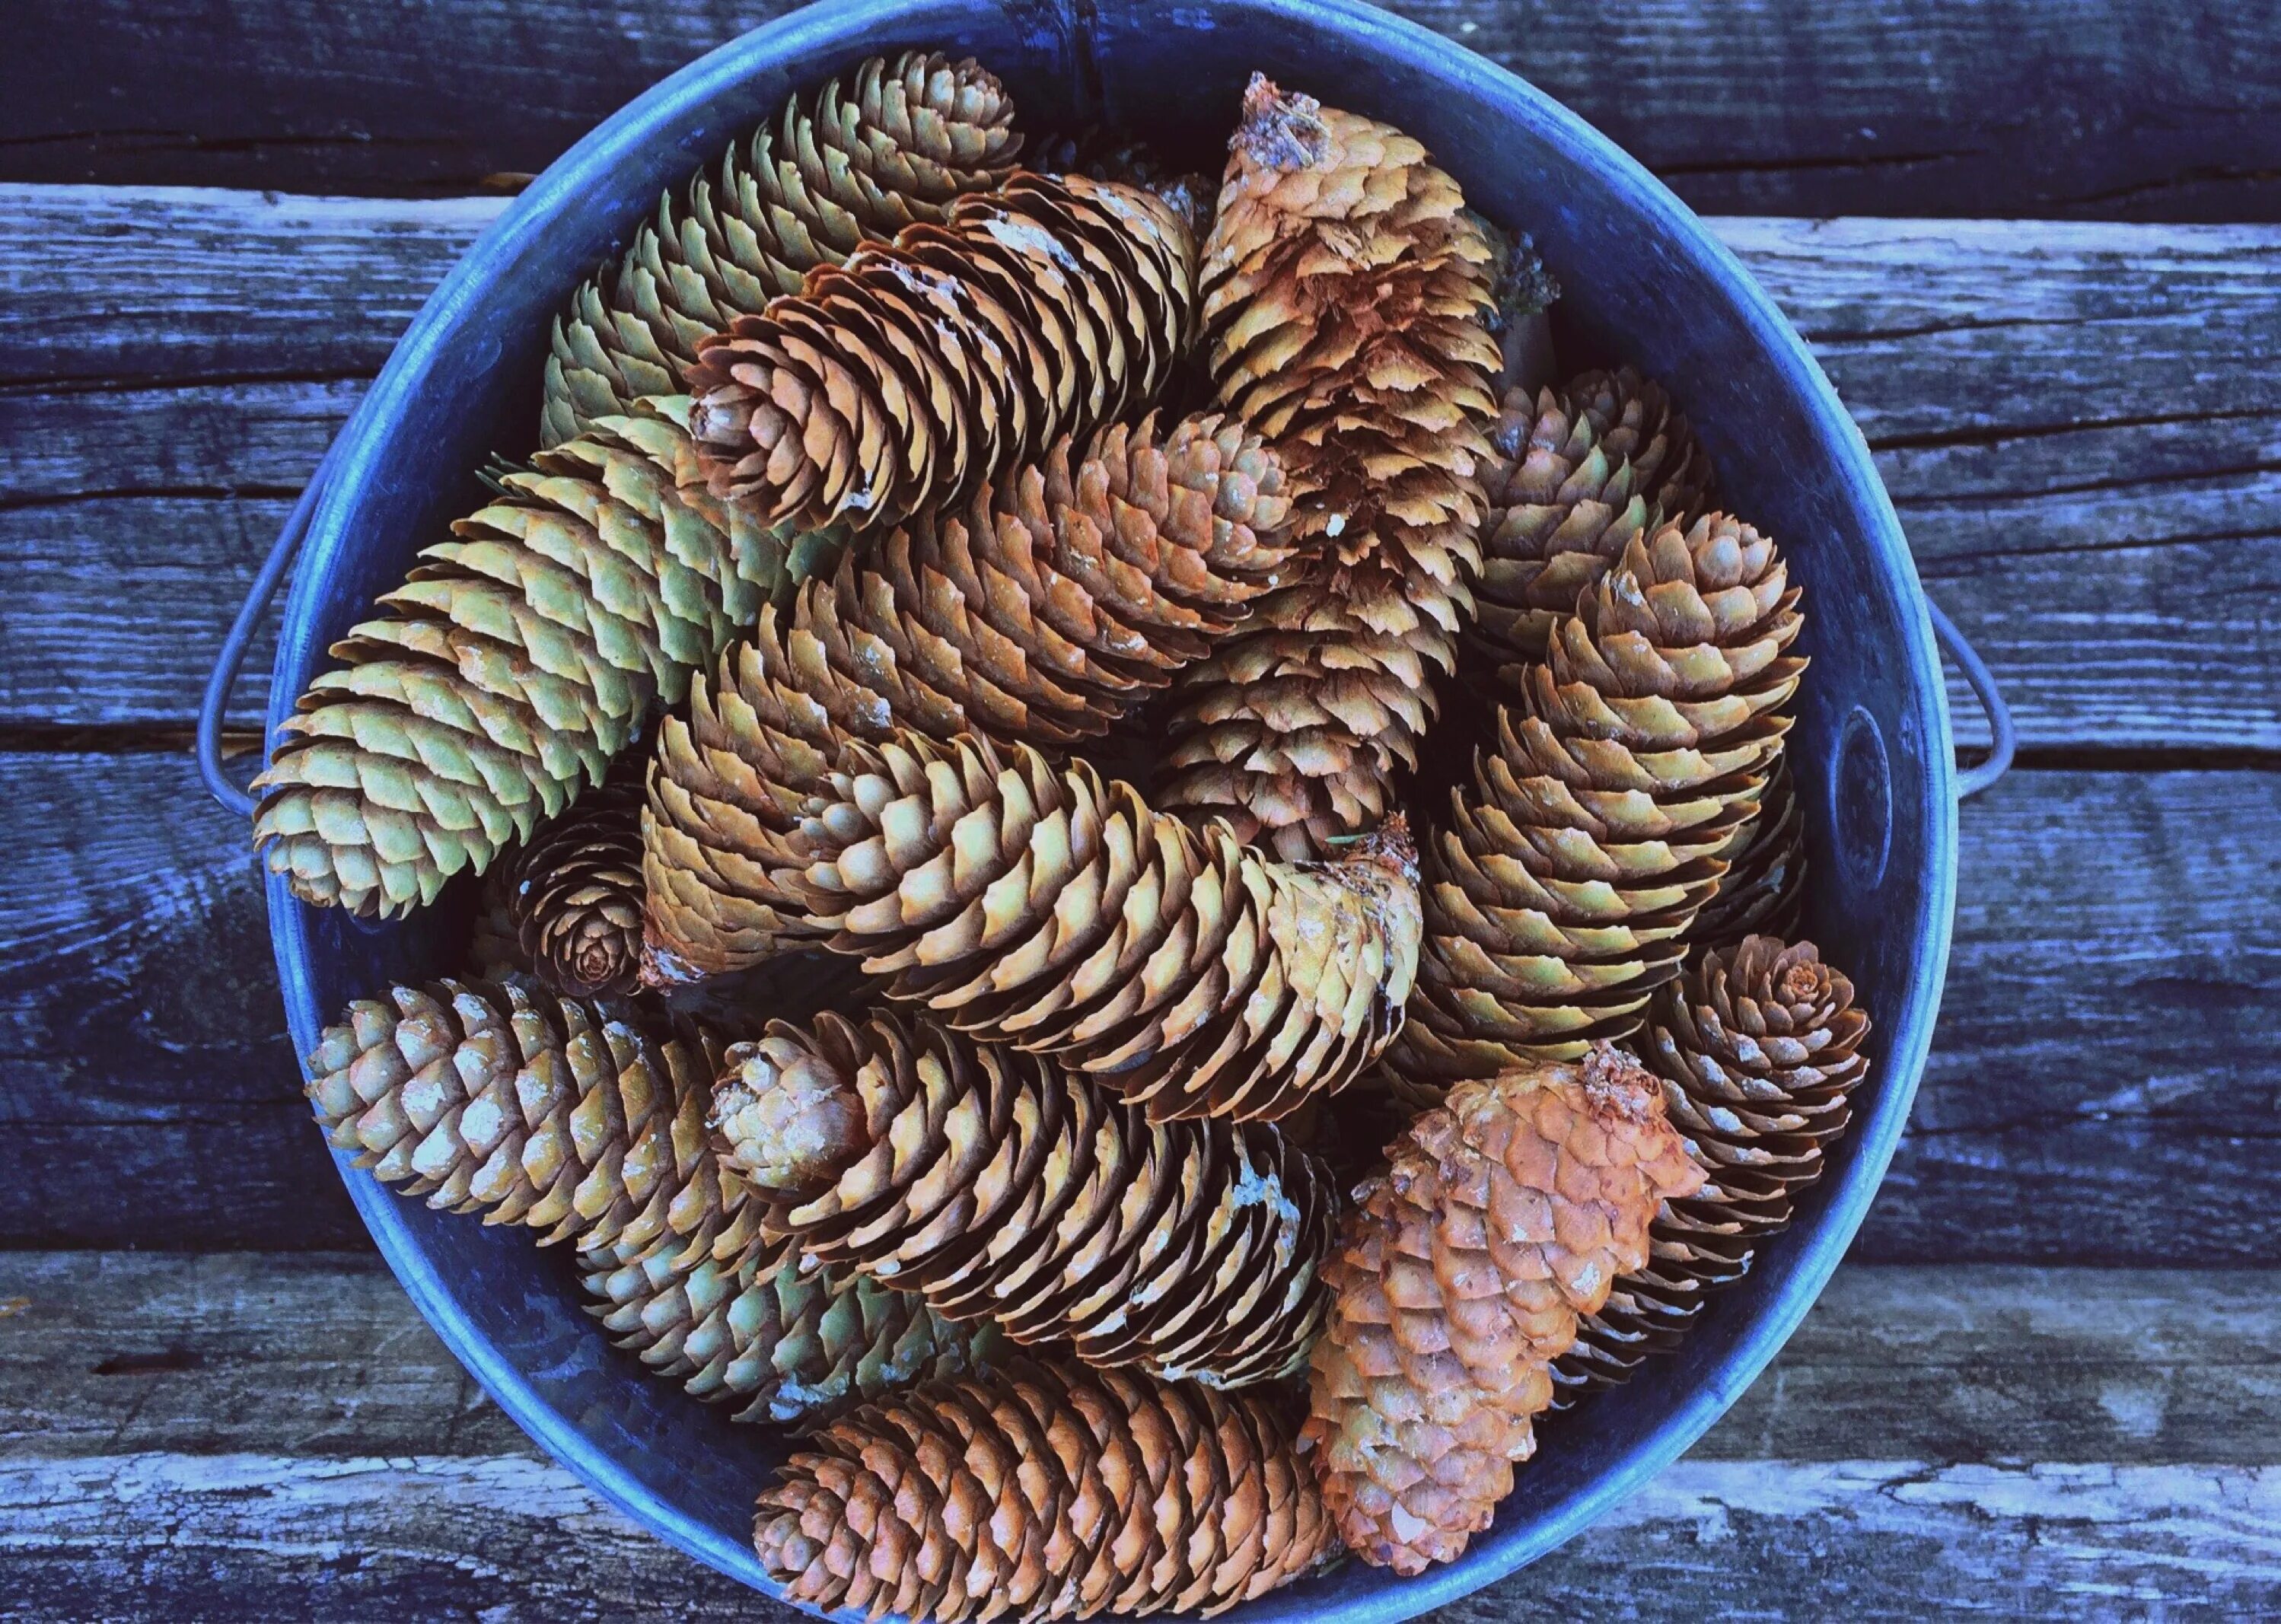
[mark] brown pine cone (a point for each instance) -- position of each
(582, 1119)
(1044, 1491)
(1580, 473)
(1002, 1187)
(1458, 1279)
(1558, 897)
(838, 169)
(509, 669)
(899, 382)
(1038, 906)
(575, 894)
(1045, 614)
(790, 1342)
(1758, 1048)
(1763, 890)
(1346, 303)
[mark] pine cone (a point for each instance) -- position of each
(575, 898)
(1579, 474)
(902, 381)
(1459, 1277)
(1004, 1188)
(1044, 614)
(837, 170)
(1558, 897)
(582, 1119)
(1758, 1048)
(1763, 890)
(1041, 906)
(1045, 1491)
(508, 670)
(1346, 302)
(792, 1344)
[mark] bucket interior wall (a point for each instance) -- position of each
(1643, 283)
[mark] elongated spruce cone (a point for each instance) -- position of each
(1758, 1049)
(1459, 1277)
(1579, 474)
(1044, 614)
(1559, 896)
(575, 897)
(899, 382)
(1004, 1188)
(513, 664)
(1038, 906)
(870, 153)
(790, 1344)
(582, 1119)
(1044, 1491)
(1347, 300)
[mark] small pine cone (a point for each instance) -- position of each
(1580, 472)
(576, 895)
(791, 1343)
(1763, 890)
(1038, 906)
(1758, 1048)
(1347, 298)
(508, 670)
(1004, 1188)
(899, 382)
(1044, 1491)
(582, 1119)
(843, 167)
(1558, 897)
(1458, 1279)
(1044, 614)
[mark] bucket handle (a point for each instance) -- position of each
(222, 680)
(2005, 739)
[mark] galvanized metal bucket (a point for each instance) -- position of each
(1644, 282)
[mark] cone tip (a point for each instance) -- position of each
(1280, 130)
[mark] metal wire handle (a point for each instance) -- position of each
(222, 680)
(2005, 740)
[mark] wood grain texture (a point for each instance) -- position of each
(2099, 1088)
(322, 1353)
(225, 1538)
(2129, 108)
(2075, 422)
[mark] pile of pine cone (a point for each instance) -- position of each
(887, 491)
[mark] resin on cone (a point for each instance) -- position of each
(1047, 1490)
(1346, 303)
(512, 665)
(1459, 1276)
(1037, 906)
(899, 382)
(895, 143)
(1558, 894)
(1002, 1187)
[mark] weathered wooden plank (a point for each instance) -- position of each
(230, 1536)
(2131, 108)
(2116, 955)
(2073, 466)
(147, 1093)
(320, 1353)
